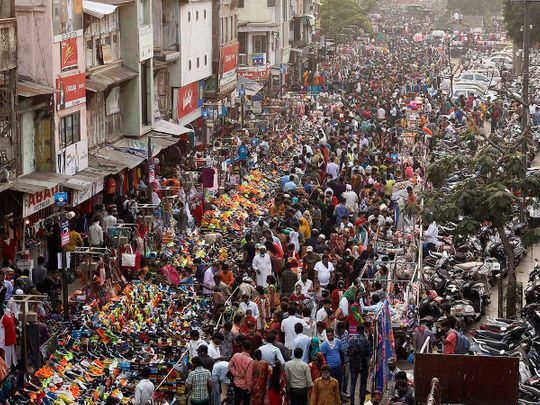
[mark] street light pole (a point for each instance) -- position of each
(65, 292)
(243, 100)
(526, 62)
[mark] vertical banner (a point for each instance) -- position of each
(68, 49)
(67, 19)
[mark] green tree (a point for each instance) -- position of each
(494, 182)
(342, 18)
(513, 20)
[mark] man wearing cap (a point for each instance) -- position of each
(262, 265)
(351, 199)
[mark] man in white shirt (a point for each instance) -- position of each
(288, 325)
(324, 268)
(213, 348)
(322, 313)
(262, 264)
(194, 342)
(95, 233)
(270, 353)
(351, 199)
(302, 341)
(381, 113)
(332, 169)
(144, 389)
(304, 281)
(248, 304)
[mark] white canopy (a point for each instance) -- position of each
(98, 10)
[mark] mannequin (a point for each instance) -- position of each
(8, 338)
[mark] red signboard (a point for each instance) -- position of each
(190, 98)
(255, 73)
(229, 57)
(69, 53)
(72, 90)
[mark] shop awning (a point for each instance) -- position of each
(251, 87)
(83, 180)
(27, 88)
(259, 27)
(98, 10)
(170, 128)
(104, 78)
(118, 158)
(139, 146)
(38, 181)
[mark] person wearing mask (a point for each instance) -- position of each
(298, 378)
(262, 265)
(325, 389)
(241, 368)
(359, 351)
(144, 390)
(199, 383)
(301, 341)
(288, 326)
(334, 356)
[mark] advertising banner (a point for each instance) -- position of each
(255, 73)
(190, 98)
(228, 62)
(33, 203)
(67, 19)
(146, 42)
(68, 49)
(73, 158)
(72, 91)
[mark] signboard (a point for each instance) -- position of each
(190, 98)
(68, 53)
(228, 61)
(151, 173)
(258, 59)
(72, 91)
(67, 19)
(64, 233)
(80, 196)
(255, 73)
(61, 198)
(146, 42)
(73, 158)
(33, 203)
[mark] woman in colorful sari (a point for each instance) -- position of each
(273, 297)
(277, 386)
(348, 298)
(263, 304)
(259, 379)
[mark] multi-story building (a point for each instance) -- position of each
(221, 86)
(263, 36)
(9, 139)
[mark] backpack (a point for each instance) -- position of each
(462, 343)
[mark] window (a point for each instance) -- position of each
(196, 15)
(235, 26)
(189, 16)
(205, 60)
(222, 39)
(198, 62)
(270, 3)
(259, 43)
(189, 65)
(226, 29)
(70, 129)
(89, 53)
(102, 39)
(112, 103)
(231, 33)
(240, 3)
(242, 42)
(204, 14)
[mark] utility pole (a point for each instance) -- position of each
(526, 61)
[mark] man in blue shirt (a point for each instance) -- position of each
(284, 179)
(242, 152)
(341, 211)
(302, 341)
(331, 349)
(290, 185)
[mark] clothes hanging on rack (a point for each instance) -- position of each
(8, 339)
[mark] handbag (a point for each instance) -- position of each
(129, 258)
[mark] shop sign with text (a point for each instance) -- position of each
(229, 61)
(73, 158)
(67, 19)
(33, 203)
(72, 91)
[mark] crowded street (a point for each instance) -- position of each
(354, 224)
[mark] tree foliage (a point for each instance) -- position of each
(493, 182)
(341, 19)
(486, 8)
(513, 20)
